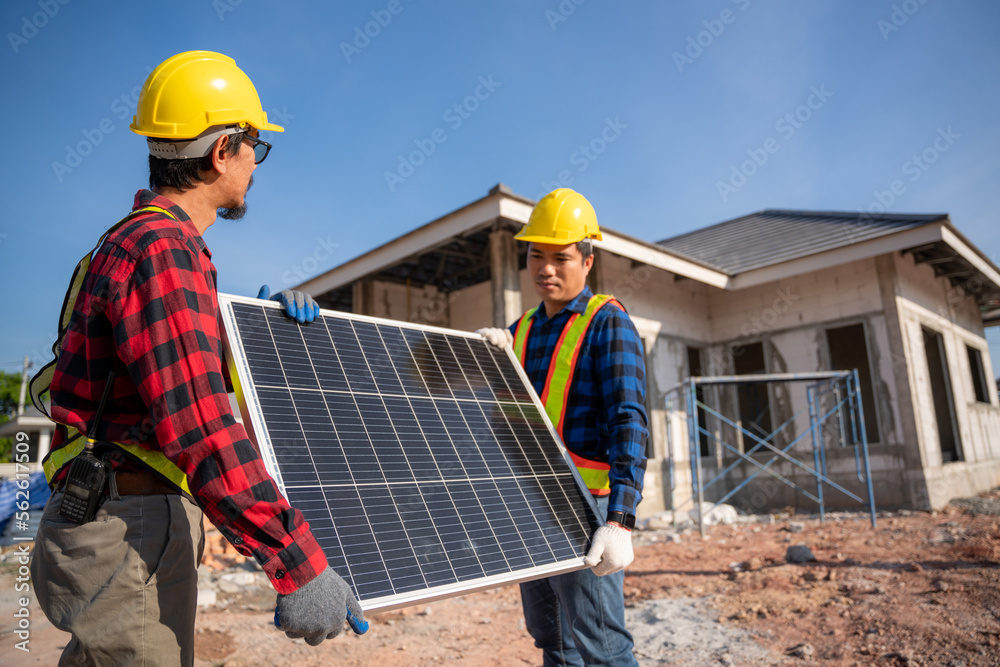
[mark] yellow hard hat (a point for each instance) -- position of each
(561, 217)
(193, 91)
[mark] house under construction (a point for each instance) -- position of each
(903, 299)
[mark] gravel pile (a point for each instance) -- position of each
(977, 506)
(686, 631)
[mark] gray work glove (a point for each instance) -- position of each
(317, 611)
(298, 305)
(610, 549)
(496, 336)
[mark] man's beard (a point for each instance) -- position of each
(235, 212)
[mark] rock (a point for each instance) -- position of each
(229, 587)
(804, 651)
(755, 563)
(862, 586)
(799, 553)
(206, 597)
(243, 578)
(976, 506)
(796, 526)
(714, 515)
(674, 537)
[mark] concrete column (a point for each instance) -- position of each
(594, 278)
(363, 297)
(44, 441)
(504, 277)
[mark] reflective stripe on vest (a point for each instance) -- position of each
(154, 461)
(555, 393)
(40, 383)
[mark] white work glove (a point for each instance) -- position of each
(610, 550)
(498, 337)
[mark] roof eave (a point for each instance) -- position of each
(499, 204)
(880, 245)
(933, 232)
(471, 217)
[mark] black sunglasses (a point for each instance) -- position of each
(260, 148)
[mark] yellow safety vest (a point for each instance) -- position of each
(555, 394)
(40, 383)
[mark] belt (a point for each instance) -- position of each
(140, 483)
(133, 483)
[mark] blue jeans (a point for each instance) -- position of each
(578, 618)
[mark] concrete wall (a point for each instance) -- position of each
(924, 301)
(467, 309)
(790, 318)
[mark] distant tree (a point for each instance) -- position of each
(10, 393)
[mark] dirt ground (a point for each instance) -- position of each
(921, 589)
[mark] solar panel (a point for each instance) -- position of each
(420, 456)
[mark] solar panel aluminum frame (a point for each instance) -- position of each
(253, 419)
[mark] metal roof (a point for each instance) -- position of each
(773, 236)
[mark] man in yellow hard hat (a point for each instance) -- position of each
(146, 439)
(585, 359)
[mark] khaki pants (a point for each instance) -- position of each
(124, 585)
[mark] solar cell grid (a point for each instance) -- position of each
(419, 456)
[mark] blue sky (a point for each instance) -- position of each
(686, 90)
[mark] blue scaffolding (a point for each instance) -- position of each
(840, 389)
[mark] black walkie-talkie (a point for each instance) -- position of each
(87, 474)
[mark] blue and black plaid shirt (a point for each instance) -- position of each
(606, 409)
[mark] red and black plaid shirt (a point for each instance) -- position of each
(148, 309)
